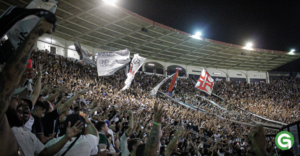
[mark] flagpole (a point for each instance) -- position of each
(249, 111)
(197, 109)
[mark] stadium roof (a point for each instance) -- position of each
(110, 28)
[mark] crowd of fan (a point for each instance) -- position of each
(63, 108)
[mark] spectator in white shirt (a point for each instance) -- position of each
(28, 142)
(82, 144)
(217, 136)
(124, 138)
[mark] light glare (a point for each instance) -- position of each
(5, 37)
(248, 46)
(110, 2)
(197, 35)
(293, 50)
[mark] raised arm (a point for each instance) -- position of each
(26, 75)
(215, 147)
(131, 124)
(91, 128)
(52, 97)
(195, 148)
(37, 88)
(92, 104)
(93, 110)
(172, 145)
(152, 145)
(44, 139)
(258, 140)
(70, 132)
(45, 91)
(9, 79)
(69, 102)
(60, 102)
(15, 66)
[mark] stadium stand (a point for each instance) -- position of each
(60, 106)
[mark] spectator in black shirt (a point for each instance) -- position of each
(51, 118)
(50, 121)
(38, 127)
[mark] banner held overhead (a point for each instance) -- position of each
(110, 62)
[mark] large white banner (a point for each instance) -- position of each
(110, 62)
(84, 56)
(20, 31)
(135, 65)
(155, 89)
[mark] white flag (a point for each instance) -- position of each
(110, 62)
(135, 65)
(155, 89)
(20, 31)
(51, 5)
(84, 56)
(205, 82)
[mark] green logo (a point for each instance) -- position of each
(284, 140)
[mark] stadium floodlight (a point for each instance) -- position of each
(197, 35)
(151, 64)
(110, 2)
(5, 37)
(248, 46)
(292, 51)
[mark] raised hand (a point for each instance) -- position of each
(130, 113)
(87, 121)
(52, 135)
(40, 68)
(157, 112)
(258, 140)
(73, 131)
(83, 91)
(179, 132)
(172, 145)
(44, 27)
(194, 146)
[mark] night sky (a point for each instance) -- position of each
(267, 24)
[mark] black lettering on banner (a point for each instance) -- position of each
(104, 63)
(136, 61)
(22, 37)
(107, 54)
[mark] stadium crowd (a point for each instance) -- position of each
(61, 107)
